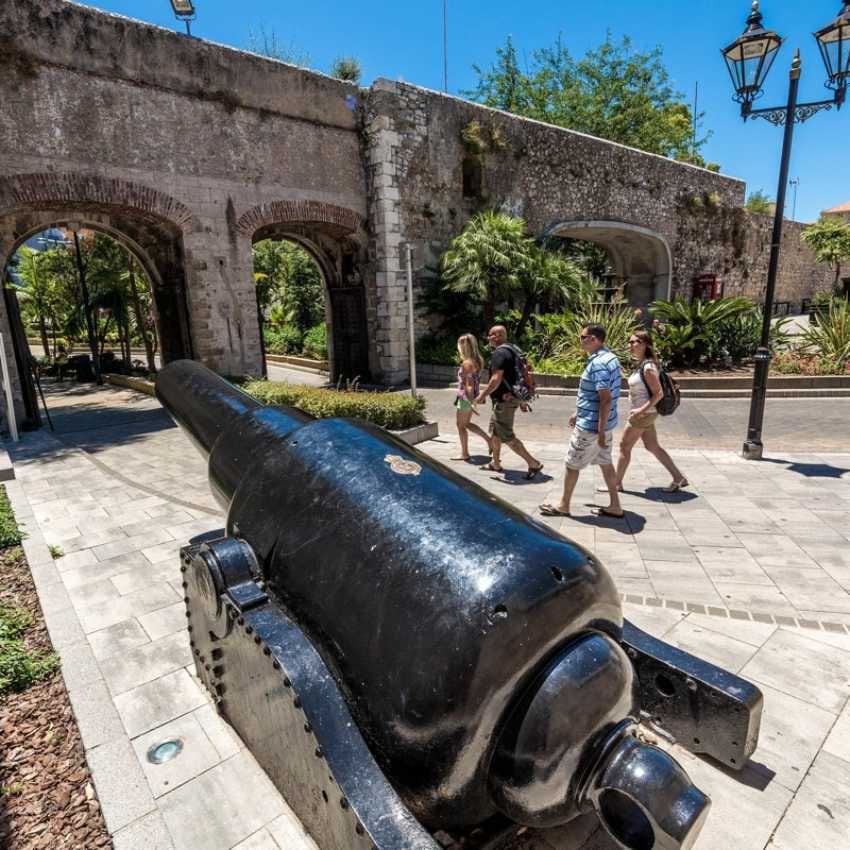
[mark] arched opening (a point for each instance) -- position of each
(132, 318)
(637, 262)
(291, 301)
(335, 248)
(68, 277)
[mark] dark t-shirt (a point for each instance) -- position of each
(504, 359)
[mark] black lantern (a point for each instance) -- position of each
(750, 57)
(834, 43)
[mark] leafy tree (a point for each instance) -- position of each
(760, 202)
(290, 287)
(613, 92)
(489, 259)
(347, 68)
(829, 238)
(38, 291)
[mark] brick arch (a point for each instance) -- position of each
(58, 190)
(298, 212)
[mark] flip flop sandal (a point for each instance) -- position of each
(533, 473)
(676, 486)
(603, 489)
(490, 468)
(551, 510)
(607, 513)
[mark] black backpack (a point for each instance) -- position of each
(672, 396)
(525, 389)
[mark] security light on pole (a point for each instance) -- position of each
(184, 10)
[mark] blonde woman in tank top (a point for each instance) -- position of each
(644, 393)
(468, 386)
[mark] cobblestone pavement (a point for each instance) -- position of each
(750, 568)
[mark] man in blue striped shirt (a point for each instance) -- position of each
(593, 423)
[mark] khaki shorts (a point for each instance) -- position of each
(585, 449)
(643, 421)
(502, 420)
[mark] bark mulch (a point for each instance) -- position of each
(47, 798)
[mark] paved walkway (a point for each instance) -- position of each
(750, 569)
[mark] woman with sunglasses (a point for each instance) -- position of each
(644, 393)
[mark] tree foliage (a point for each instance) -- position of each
(829, 238)
(495, 261)
(614, 92)
(760, 202)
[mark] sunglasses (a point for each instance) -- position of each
(586, 336)
(634, 342)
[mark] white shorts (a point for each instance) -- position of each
(585, 449)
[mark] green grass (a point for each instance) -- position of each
(19, 667)
(10, 534)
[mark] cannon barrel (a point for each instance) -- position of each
(476, 652)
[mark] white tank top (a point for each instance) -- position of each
(638, 393)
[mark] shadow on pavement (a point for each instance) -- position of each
(809, 470)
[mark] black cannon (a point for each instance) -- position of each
(409, 656)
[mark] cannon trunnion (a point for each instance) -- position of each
(406, 655)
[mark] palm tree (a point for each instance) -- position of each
(489, 259)
(550, 279)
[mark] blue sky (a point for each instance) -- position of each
(403, 40)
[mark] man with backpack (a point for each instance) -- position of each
(593, 423)
(509, 390)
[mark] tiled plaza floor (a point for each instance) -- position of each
(750, 569)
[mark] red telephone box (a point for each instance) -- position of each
(708, 287)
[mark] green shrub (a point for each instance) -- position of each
(316, 342)
(798, 363)
(440, 351)
(684, 333)
(10, 534)
(283, 339)
(830, 337)
(389, 410)
(20, 668)
(13, 622)
(737, 338)
(564, 368)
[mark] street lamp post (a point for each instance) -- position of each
(184, 10)
(749, 59)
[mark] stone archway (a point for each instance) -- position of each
(638, 255)
(148, 222)
(335, 238)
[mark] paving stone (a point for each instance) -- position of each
(73, 560)
(838, 742)
(221, 734)
(804, 668)
(96, 617)
(146, 833)
(197, 755)
(262, 840)
(135, 667)
(64, 628)
(120, 637)
(713, 646)
(165, 621)
(95, 713)
(287, 832)
(746, 631)
(160, 701)
(79, 667)
(221, 807)
(819, 816)
(121, 786)
(792, 733)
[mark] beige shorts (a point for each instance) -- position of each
(502, 420)
(585, 449)
(643, 421)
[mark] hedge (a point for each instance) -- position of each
(10, 534)
(389, 410)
